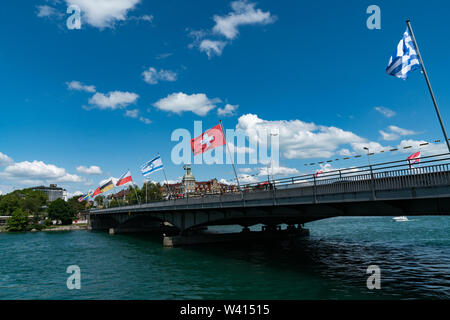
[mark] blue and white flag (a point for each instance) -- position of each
(152, 166)
(405, 58)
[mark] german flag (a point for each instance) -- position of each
(107, 186)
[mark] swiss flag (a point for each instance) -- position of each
(208, 140)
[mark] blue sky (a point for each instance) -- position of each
(108, 96)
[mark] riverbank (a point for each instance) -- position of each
(55, 228)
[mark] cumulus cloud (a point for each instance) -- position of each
(279, 171)
(180, 102)
(234, 149)
(37, 171)
(227, 27)
(243, 13)
(228, 110)
(45, 11)
(132, 113)
(104, 13)
(422, 146)
(78, 86)
(5, 160)
(113, 100)
(212, 47)
(92, 170)
(388, 113)
(153, 76)
(298, 139)
(395, 133)
(145, 120)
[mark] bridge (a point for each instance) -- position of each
(385, 189)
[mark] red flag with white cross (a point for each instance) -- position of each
(208, 140)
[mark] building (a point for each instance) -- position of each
(53, 192)
(188, 186)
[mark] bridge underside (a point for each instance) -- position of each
(290, 214)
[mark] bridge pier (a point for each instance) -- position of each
(244, 236)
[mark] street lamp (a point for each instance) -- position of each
(272, 134)
(368, 155)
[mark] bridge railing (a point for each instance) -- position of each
(432, 170)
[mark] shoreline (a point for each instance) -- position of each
(53, 229)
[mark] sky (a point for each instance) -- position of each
(82, 105)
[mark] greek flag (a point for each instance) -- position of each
(152, 166)
(405, 58)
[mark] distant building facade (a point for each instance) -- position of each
(188, 186)
(53, 192)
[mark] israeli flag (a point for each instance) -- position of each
(405, 58)
(152, 166)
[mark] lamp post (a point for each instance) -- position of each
(368, 155)
(271, 154)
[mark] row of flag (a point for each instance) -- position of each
(208, 140)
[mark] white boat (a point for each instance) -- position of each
(400, 219)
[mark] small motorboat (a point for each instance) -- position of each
(400, 219)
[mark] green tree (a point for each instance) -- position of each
(61, 210)
(100, 200)
(77, 206)
(18, 221)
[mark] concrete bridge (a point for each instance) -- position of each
(386, 189)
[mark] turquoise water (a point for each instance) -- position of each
(414, 258)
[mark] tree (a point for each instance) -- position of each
(18, 221)
(99, 200)
(61, 210)
(77, 206)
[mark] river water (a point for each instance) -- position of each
(414, 259)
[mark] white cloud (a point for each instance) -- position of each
(153, 76)
(279, 171)
(228, 110)
(5, 160)
(246, 179)
(27, 172)
(233, 149)
(46, 11)
(395, 133)
(163, 55)
(180, 102)
(388, 113)
(132, 113)
(78, 86)
(104, 13)
(226, 26)
(298, 139)
(419, 145)
(145, 120)
(211, 47)
(92, 170)
(244, 13)
(113, 100)
(374, 147)
(73, 194)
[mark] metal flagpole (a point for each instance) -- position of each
(146, 193)
(167, 181)
(428, 83)
(231, 157)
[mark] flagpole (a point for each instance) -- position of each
(408, 22)
(231, 157)
(167, 181)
